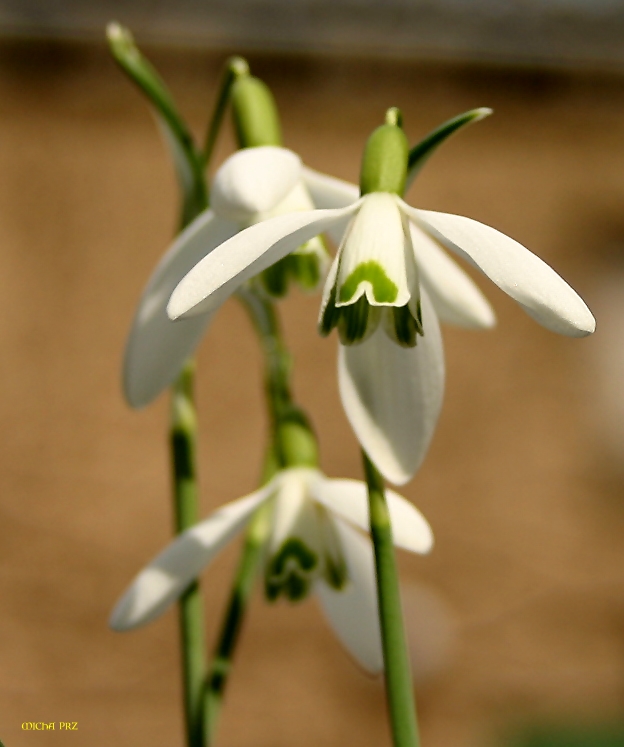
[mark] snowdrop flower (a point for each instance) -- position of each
(389, 282)
(252, 185)
(313, 545)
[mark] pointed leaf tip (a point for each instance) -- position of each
(421, 152)
(115, 31)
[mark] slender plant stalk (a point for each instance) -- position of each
(233, 620)
(186, 507)
(265, 320)
(200, 700)
(399, 684)
(277, 364)
(202, 693)
(234, 68)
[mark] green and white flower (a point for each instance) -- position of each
(252, 185)
(390, 281)
(313, 546)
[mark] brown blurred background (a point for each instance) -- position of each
(516, 616)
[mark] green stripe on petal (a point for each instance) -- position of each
(358, 321)
(401, 326)
(372, 254)
(289, 572)
(330, 315)
(295, 549)
(384, 290)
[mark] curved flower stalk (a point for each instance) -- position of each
(390, 262)
(252, 185)
(313, 545)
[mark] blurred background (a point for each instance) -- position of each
(516, 619)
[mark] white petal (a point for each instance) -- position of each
(353, 611)
(294, 514)
(410, 529)
(455, 297)
(329, 192)
(349, 499)
(542, 293)
(218, 275)
(297, 199)
(392, 396)
(372, 255)
(170, 573)
(157, 349)
(254, 180)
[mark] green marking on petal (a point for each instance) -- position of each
(384, 289)
(418, 318)
(331, 315)
(293, 549)
(336, 573)
(404, 326)
(358, 321)
(296, 587)
(289, 572)
(306, 269)
(303, 266)
(275, 278)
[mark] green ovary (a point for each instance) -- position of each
(384, 290)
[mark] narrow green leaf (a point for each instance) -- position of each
(419, 154)
(187, 158)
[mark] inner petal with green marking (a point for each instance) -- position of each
(290, 571)
(295, 547)
(373, 274)
(372, 255)
(304, 545)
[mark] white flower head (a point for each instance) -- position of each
(252, 185)
(313, 546)
(390, 282)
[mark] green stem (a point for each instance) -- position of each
(186, 503)
(277, 363)
(235, 67)
(265, 320)
(234, 618)
(399, 684)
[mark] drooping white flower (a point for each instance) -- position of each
(252, 185)
(313, 545)
(389, 281)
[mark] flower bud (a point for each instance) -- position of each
(255, 115)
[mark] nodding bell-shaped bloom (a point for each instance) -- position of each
(313, 545)
(390, 282)
(252, 185)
